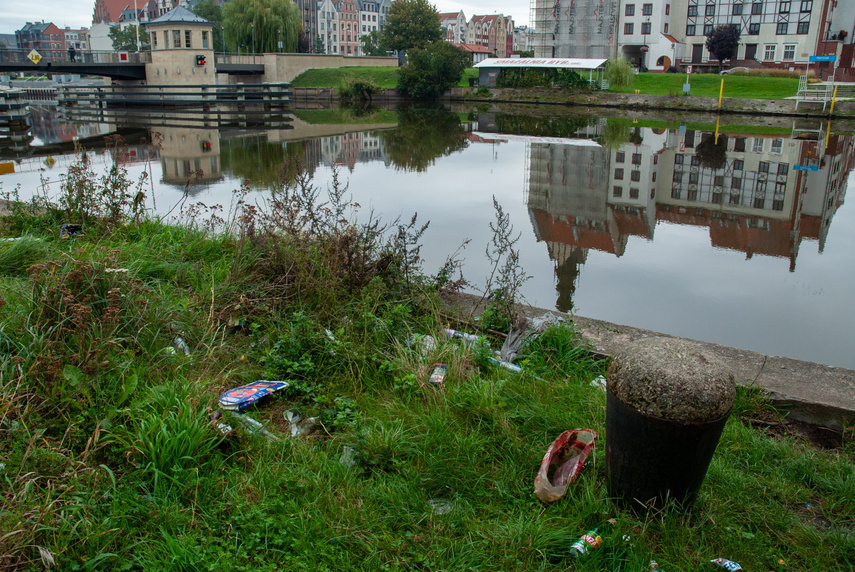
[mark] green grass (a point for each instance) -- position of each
(708, 85)
(111, 461)
(385, 77)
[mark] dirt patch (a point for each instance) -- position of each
(772, 424)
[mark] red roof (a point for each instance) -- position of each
(672, 39)
(473, 48)
(110, 10)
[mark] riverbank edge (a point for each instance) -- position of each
(548, 96)
(812, 393)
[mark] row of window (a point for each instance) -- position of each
(781, 29)
(733, 199)
(756, 8)
(176, 39)
(760, 186)
(646, 9)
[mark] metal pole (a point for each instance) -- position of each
(253, 41)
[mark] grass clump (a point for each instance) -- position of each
(112, 459)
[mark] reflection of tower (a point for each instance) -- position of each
(568, 261)
(187, 153)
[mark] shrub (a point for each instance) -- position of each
(359, 89)
(432, 71)
(619, 73)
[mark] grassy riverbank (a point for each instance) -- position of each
(109, 460)
(702, 85)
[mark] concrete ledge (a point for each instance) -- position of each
(813, 393)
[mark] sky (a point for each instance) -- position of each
(78, 13)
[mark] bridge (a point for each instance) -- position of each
(121, 66)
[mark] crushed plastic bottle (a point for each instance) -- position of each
(728, 565)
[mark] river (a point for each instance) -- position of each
(744, 241)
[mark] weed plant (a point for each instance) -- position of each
(111, 459)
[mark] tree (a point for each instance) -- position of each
(431, 71)
(319, 45)
(260, 24)
(126, 40)
(212, 12)
(372, 44)
(619, 73)
(710, 154)
(411, 24)
(723, 41)
(303, 44)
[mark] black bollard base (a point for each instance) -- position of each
(649, 460)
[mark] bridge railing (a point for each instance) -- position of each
(17, 56)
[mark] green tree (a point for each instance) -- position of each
(212, 12)
(372, 44)
(424, 133)
(126, 40)
(431, 71)
(319, 45)
(723, 41)
(411, 24)
(260, 24)
(619, 73)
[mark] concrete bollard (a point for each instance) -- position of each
(667, 403)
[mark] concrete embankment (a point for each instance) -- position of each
(812, 393)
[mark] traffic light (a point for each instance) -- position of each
(200, 60)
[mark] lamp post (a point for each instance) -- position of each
(137, 19)
(252, 24)
(645, 31)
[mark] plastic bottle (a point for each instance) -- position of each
(591, 540)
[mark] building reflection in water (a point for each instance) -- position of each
(762, 197)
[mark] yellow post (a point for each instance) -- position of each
(720, 92)
(717, 117)
(827, 133)
(833, 97)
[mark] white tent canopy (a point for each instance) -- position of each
(569, 63)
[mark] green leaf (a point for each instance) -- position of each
(72, 375)
(128, 387)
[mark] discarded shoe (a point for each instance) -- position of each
(569, 452)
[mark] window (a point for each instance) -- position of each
(753, 29)
(633, 193)
(645, 28)
(708, 28)
(666, 27)
(630, 10)
(675, 193)
(678, 159)
(734, 199)
(620, 157)
(166, 39)
(636, 158)
(667, 9)
(617, 191)
(678, 177)
(763, 166)
(784, 8)
(777, 146)
(635, 176)
(736, 183)
(619, 174)
(807, 5)
(777, 205)
(647, 9)
(690, 30)
(783, 169)
(789, 51)
(693, 10)
(693, 178)
(782, 28)
(627, 29)
(737, 10)
(187, 43)
(780, 188)
(739, 164)
(769, 53)
(757, 8)
(803, 28)
(204, 39)
(176, 39)
(718, 180)
(710, 10)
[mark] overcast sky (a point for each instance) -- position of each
(78, 13)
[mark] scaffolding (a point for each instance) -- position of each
(574, 28)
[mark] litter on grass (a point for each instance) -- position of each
(348, 456)
(423, 344)
(440, 506)
(438, 375)
(253, 426)
(67, 231)
(728, 565)
(181, 346)
(599, 382)
(239, 397)
(569, 453)
(526, 330)
(471, 339)
(298, 425)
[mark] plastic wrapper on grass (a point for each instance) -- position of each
(569, 453)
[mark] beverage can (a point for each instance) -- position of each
(438, 374)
